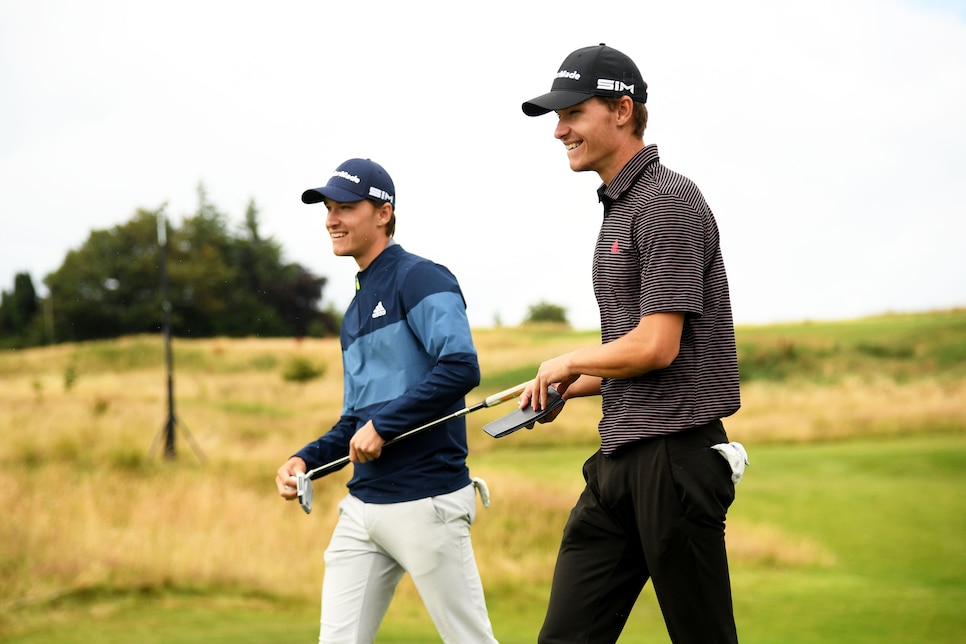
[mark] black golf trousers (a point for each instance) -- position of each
(654, 510)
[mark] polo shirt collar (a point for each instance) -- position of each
(628, 174)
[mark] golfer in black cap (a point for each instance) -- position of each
(658, 488)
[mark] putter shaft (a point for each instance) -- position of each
(489, 401)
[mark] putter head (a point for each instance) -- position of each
(304, 486)
(520, 418)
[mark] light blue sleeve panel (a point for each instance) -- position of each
(437, 321)
(384, 365)
(440, 323)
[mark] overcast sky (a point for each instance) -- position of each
(828, 136)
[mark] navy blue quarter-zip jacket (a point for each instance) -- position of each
(408, 358)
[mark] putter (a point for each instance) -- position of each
(303, 481)
(523, 417)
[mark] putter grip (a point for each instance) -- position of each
(506, 394)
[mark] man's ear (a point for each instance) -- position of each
(625, 110)
(384, 213)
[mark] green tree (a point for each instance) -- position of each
(109, 286)
(546, 312)
(19, 312)
(205, 287)
(291, 292)
(220, 283)
(261, 273)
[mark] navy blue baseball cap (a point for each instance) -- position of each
(355, 180)
(590, 71)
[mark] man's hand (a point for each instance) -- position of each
(285, 478)
(366, 444)
(554, 372)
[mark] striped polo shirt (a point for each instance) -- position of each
(658, 251)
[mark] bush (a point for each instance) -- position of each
(302, 370)
(546, 312)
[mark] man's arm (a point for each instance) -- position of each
(653, 344)
(436, 315)
(583, 386)
(331, 445)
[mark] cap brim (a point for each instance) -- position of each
(315, 195)
(556, 100)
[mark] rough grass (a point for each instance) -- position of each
(97, 525)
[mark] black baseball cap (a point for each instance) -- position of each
(355, 180)
(590, 71)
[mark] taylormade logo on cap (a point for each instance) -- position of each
(345, 175)
(563, 73)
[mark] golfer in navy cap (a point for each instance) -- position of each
(408, 358)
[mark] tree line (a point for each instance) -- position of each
(221, 282)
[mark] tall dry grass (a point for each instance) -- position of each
(800, 412)
(85, 505)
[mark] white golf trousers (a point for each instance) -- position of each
(373, 545)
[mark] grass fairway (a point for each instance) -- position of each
(887, 519)
(880, 522)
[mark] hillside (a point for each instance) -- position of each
(97, 513)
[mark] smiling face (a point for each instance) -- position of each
(358, 229)
(598, 137)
